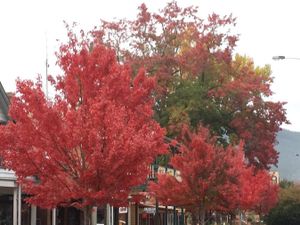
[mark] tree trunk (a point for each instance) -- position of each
(240, 217)
(201, 216)
(48, 217)
(232, 219)
(156, 215)
(87, 215)
(194, 218)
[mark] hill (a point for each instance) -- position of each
(289, 155)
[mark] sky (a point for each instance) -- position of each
(266, 28)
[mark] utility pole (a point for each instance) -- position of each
(46, 68)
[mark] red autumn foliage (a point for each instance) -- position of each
(213, 178)
(176, 45)
(207, 173)
(256, 119)
(81, 145)
(257, 192)
(94, 141)
(175, 42)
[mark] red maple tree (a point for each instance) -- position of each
(199, 79)
(256, 191)
(213, 178)
(90, 144)
(208, 174)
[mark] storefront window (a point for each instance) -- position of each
(69, 216)
(101, 215)
(43, 217)
(146, 216)
(6, 206)
(123, 216)
(25, 213)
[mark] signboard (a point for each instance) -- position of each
(161, 170)
(122, 209)
(149, 210)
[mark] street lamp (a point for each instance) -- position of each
(281, 57)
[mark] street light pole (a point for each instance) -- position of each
(281, 57)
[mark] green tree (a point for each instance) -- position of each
(287, 211)
(285, 183)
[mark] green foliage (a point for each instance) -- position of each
(287, 212)
(290, 194)
(191, 104)
(286, 184)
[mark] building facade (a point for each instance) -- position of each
(10, 193)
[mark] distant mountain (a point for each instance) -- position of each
(289, 155)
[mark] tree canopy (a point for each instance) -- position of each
(120, 84)
(78, 149)
(199, 78)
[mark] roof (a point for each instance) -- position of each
(4, 104)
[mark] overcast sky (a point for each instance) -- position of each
(266, 28)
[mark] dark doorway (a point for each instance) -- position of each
(6, 206)
(69, 216)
